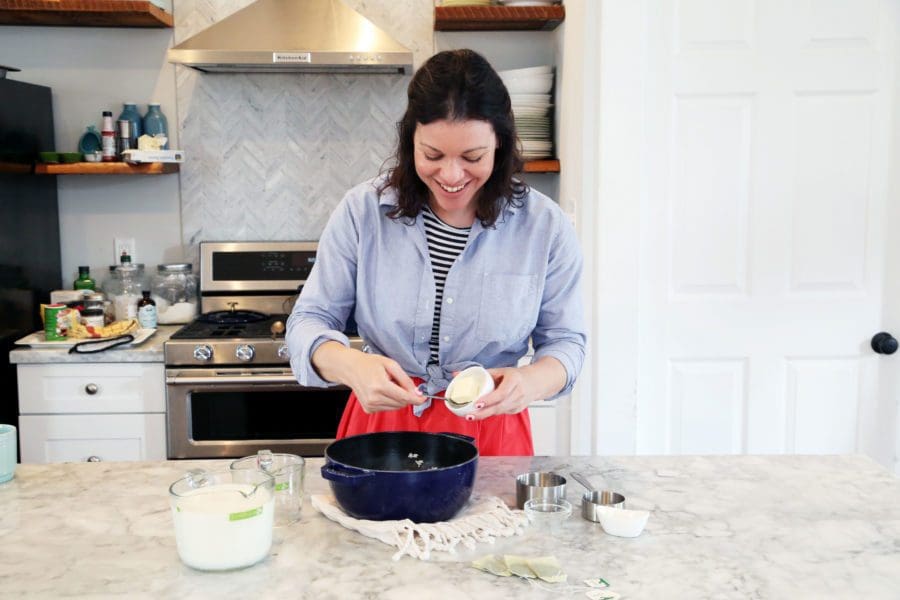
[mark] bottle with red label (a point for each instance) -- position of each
(108, 137)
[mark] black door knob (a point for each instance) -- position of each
(884, 343)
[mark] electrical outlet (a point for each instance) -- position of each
(123, 245)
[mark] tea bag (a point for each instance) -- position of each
(519, 566)
(492, 564)
(547, 568)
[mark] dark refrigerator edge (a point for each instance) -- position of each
(30, 261)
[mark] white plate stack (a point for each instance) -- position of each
(529, 90)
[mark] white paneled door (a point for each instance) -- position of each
(762, 239)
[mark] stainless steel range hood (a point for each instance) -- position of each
(282, 36)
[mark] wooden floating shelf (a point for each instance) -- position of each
(498, 18)
(549, 165)
(84, 13)
(109, 168)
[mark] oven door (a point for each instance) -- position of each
(235, 412)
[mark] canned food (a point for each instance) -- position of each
(93, 317)
(54, 330)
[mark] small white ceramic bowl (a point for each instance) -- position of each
(485, 386)
(533, 84)
(622, 522)
(512, 73)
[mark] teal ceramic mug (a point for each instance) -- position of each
(7, 452)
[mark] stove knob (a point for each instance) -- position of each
(283, 352)
(244, 352)
(203, 352)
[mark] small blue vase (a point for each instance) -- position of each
(155, 122)
(89, 141)
(130, 113)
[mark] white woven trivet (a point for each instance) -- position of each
(481, 520)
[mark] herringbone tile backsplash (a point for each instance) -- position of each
(269, 156)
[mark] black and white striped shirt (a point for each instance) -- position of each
(445, 243)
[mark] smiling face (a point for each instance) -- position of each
(454, 159)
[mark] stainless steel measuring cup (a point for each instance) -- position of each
(540, 485)
(594, 498)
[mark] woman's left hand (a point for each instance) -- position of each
(509, 395)
(517, 387)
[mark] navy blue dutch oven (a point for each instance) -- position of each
(424, 477)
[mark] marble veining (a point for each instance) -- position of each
(150, 351)
(720, 527)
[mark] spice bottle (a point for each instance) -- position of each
(84, 281)
(146, 311)
(108, 137)
(131, 114)
(123, 138)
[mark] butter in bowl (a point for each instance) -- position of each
(468, 386)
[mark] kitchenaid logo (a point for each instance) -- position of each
(291, 57)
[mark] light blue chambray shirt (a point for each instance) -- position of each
(517, 280)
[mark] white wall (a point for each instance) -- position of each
(91, 70)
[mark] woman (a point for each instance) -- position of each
(445, 262)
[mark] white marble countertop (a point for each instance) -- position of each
(720, 527)
(149, 351)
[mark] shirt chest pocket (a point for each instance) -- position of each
(508, 307)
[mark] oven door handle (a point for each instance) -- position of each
(228, 379)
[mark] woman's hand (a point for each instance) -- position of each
(517, 387)
(379, 382)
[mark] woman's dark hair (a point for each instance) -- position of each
(458, 85)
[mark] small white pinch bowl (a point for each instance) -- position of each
(622, 522)
(486, 386)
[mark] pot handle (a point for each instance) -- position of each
(342, 474)
(465, 438)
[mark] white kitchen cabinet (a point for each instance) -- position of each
(98, 411)
(86, 437)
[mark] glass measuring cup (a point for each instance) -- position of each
(223, 520)
(289, 472)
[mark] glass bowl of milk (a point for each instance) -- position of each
(223, 520)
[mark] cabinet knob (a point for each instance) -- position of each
(91, 388)
(884, 343)
(93, 459)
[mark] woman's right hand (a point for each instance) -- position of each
(379, 382)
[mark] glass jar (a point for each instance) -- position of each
(174, 289)
(124, 289)
(94, 311)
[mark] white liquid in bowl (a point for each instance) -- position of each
(217, 528)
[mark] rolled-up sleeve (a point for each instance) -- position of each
(328, 296)
(560, 330)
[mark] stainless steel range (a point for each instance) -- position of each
(229, 387)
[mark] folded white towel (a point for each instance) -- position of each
(481, 520)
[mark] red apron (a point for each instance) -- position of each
(500, 435)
